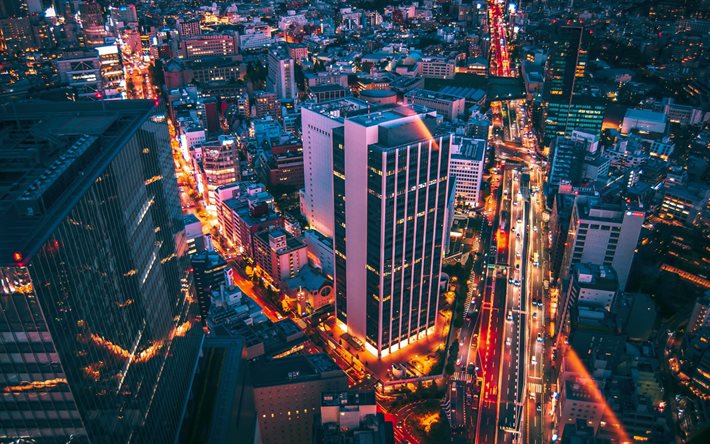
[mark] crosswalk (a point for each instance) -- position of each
(463, 376)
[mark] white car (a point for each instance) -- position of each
(534, 360)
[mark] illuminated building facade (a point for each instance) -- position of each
(83, 72)
(602, 234)
(389, 225)
(96, 343)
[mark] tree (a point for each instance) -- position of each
(449, 368)
(420, 393)
(433, 390)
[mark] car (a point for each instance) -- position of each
(535, 228)
(538, 406)
(534, 315)
(507, 341)
(520, 220)
(517, 235)
(400, 424)
(539, 337)
(517, 254)
(510, 315)
(533, 361)
(471, 369)
(517, 266)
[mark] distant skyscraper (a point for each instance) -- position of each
(281, 78)
(602, 234)
(389, 225)
(581, 113)
(565, 110)
(96, 341)
(566, 64)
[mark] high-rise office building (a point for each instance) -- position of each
(96, 337)
(389, 225)
(580, 113)
(318, 121)
(566, 64)
(208, 272)
(602, 234)
(281, 78)
(564, 107)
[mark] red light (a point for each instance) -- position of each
(98, 95)
(17, 256)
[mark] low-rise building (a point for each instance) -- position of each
(279, 254)
(449, 106)
(288, 395)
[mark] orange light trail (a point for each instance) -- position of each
(144, 356)
(35, 385)
(591, 386)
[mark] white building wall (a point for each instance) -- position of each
(317, 135)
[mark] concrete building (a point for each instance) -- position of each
(255, 36)
(288, 395)
(266, 104)
(387, 277)
(247, 219)
(346, 412)
(81, 70)
(700, 316)
(209, 45)
(644, 122)
(686, 203)
(208, 274)
(320, 252)
(449, 106)
(281, 78)
(189, 28)
(436, 68)
(468, 157)
(318, 122)
(219, 165)
(590, 285)
(602, 234)
(280, 255)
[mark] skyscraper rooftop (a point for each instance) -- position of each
(51, 151)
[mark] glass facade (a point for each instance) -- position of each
(96, 337)
(341, 303)
(407, 190)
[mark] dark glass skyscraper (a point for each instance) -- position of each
(96, 337)
(565, 109)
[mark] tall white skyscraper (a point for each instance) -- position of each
(390, 186)
(281, 78)
(318, 121)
